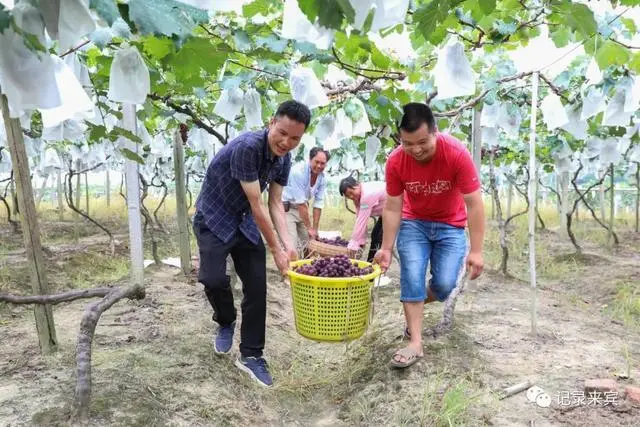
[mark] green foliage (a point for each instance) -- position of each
(256, 7)
(131, 155)
(578, 17)
(197, 55)
(329, 13)
(106, 10)
(165, 17)
(611, 53)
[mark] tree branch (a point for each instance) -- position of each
(553, 87)
(188, 111)
(624, 44)
(259, 70)
(73, 49)
(386, 75)
(88, 324)
(57, 298)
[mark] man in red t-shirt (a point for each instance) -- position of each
(432, 189)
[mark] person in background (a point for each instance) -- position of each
(433, 187)
(306, 182)
(230, 217)
(369, 199)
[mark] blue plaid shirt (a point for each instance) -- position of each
(222, 201)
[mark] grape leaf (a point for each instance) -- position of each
(131, 155)
(256, 7)
(165, 17)
(487, 6)
(630, 25)
(118, 131)
(156, 47)
(330, 13)
(611, 53)
(634, 64)
(561, 36)
(106, 10)
(579, 17)
(428, 17)
(196, 54)
(630, 2)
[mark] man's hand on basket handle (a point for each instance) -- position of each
(293, 254)
(383, 259)
(282, 261)
(313, 233)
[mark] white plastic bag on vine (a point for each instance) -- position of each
(344, 125)
(634, 154)
(73, 130)
(75, 103)
(509, 119)
(452, 73)
(27, 77)
(614, 114)
(593, 73)
(609, 152)
(362, 125)
(490, 137)
(74, 22)
(593, 147)
(353, 162)
(372, 145)
(593, 102)
(489, 115)
(325, 132)
(229, 104)
(325, 127)
(296, 26)
(564, 151)
(306, 140)
(387, 13)
(575, 125)
(253, 109)
(564, 164)
(553, 112)
(306, 88)
(129, 80)
(632, 99)
(159, 146)
(53, 133)
(50, 160)
(79, 70)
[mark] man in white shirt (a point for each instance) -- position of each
(306, 182)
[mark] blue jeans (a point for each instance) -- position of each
(419, 242)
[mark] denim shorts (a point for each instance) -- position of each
(421, 242)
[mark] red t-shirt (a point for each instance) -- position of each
(433, 191)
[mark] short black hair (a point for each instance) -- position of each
(345, 183)
(315, 150)
(414, 115)
(295, 111)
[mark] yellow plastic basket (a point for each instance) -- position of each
(331, 309)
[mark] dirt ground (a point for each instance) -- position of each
(153, 362)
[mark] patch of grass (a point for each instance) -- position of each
(77, 271)
(625, 305)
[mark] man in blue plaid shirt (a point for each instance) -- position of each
(230, 215)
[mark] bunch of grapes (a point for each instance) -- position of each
(338, 241)
(335, 266)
